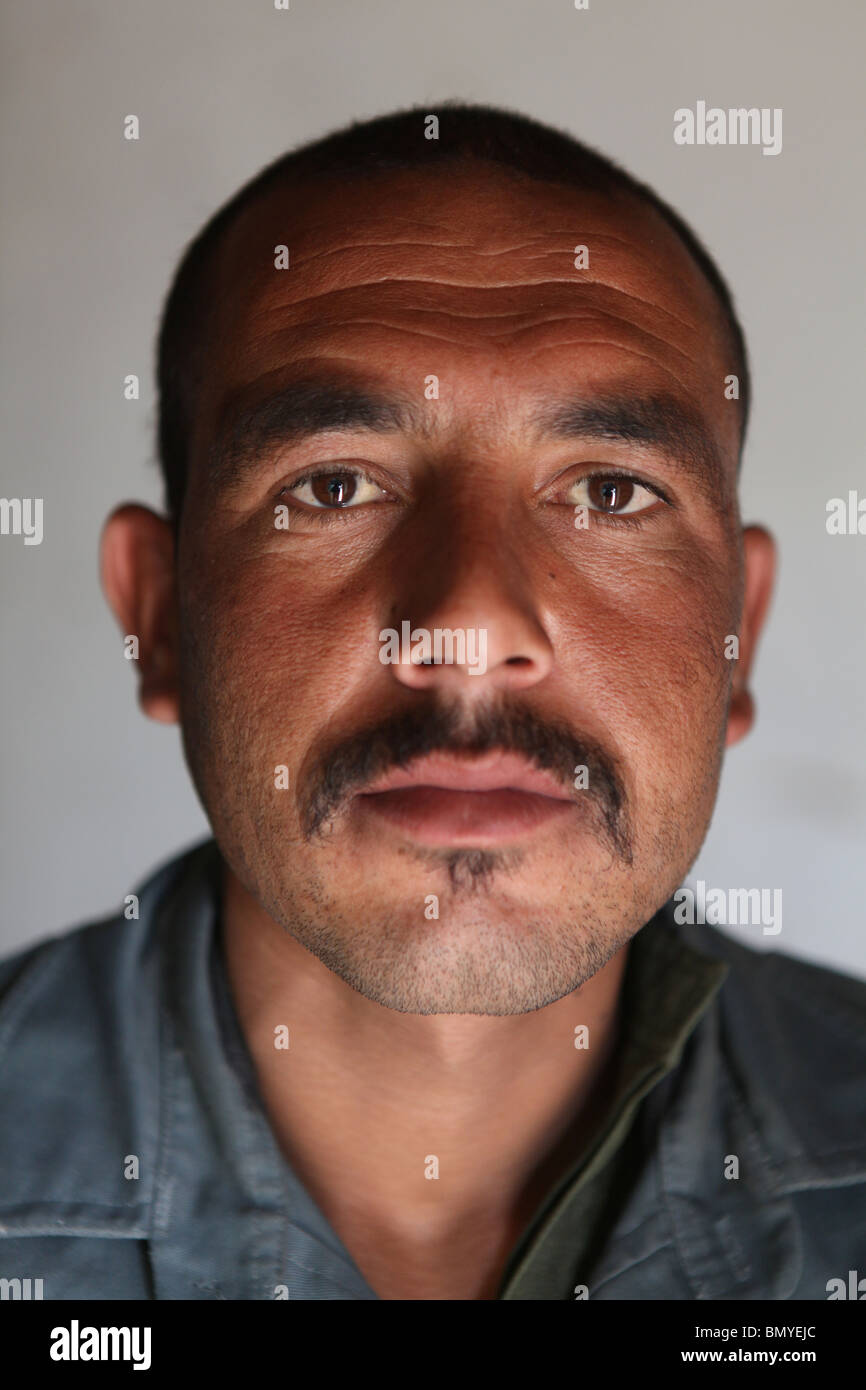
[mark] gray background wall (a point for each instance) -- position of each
(93, 794)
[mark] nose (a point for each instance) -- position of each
(470, 625)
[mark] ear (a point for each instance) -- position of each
(138, 577)
(759, 558)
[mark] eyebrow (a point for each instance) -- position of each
(659, 422)
(299, 411)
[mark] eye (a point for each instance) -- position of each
(335, 489)
(615, 494)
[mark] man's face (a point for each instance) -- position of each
(594, 572)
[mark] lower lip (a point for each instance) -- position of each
(440, 816)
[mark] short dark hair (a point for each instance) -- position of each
(395, 141)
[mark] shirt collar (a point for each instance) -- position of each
(667, 988)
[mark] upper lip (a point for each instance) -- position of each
(471, 773)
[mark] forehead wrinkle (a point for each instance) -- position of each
(600, 287)
(393, 201)
(309, 307)
(587, 316)
(467, 248)
(610, 343)
(314, 249)
(556, 242)
(409, 329)
(553, 242)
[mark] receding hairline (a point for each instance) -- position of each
(305, 186)
(618, 196)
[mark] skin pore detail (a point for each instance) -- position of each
(452, 1034)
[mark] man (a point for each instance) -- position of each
(455, 609)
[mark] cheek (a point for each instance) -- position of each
(270, 651)
(642, 642)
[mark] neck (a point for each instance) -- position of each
(417, 1132)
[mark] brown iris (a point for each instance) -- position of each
(334, 489)
(610, 494)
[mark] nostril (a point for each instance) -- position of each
(518, 661)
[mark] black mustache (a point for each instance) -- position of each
(364, 756)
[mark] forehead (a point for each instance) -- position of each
(467, 271)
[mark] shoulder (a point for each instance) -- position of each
(80, 1027)
(90, 988)
(794, 994)
(99, 957)
(792, 1036)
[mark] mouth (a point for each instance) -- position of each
(446, 799)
